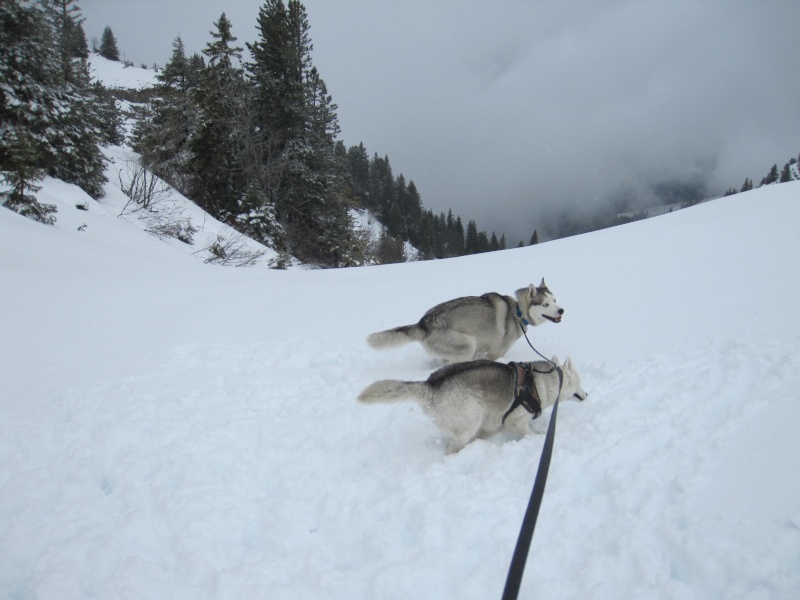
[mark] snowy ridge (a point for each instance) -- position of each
(174, 429)
(115, 75)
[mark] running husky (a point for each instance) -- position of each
(473, 326)
(479, 398)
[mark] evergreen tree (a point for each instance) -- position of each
(483, 242)
(162, 137)
(221, 178)
(503, 242)
(472, 242)
(747, 185)
(411, 209)
(41, 101)
(77, 46)
(772, 176)
(280, 60)
(298, 114)
(381, 186)
(64, 17)
(786, 174)
(358, 170)
(108, 45)
(534, 238)
(21, 178)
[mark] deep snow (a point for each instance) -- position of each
(170, 429)
(175, 429)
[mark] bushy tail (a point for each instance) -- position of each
(393, 338)
(391, 390)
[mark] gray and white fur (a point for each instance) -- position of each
(475, 326)
(468, 400)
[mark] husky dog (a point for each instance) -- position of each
(473, 326)
(479, 398)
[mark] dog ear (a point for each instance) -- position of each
(554, 360)
(568, 363)
(543, 285)
(531, 291)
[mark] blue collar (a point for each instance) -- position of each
(523, 321)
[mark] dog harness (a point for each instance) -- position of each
(525, 393)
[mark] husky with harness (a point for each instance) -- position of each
(479, 398)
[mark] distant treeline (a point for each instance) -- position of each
(789, 172)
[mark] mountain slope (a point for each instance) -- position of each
(174, 429)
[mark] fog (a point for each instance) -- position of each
(513, 111)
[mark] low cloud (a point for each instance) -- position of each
(511, 111)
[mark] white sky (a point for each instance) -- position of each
(502, 109)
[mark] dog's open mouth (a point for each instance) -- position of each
(553, 319)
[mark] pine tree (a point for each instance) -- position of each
(747, 185)
(65, 16)
(162, 137)
(472, 243)
(108, 45)
(786, 174)
(299, 116)
(358, 170)
(21, 178)
(534, 238)
(772, 176)
(77, 45)
(483, 242)
(51, 106)
(221, 178)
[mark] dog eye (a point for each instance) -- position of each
(545, 305)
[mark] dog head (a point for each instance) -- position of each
(571, 387)
(541, 305)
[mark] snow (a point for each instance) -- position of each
(113, 74)
(172, 429)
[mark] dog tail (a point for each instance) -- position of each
(396, 337)
(391, 390)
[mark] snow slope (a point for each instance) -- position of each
(170, 429)
(115, 75)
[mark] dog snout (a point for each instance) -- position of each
(561, 311)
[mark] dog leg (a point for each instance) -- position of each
(451, 346)
(519, 422)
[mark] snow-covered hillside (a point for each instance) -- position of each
(115, 75)
(171, 429)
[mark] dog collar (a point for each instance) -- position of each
(520, 318)
(525, 393)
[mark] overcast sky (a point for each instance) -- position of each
(502, 110)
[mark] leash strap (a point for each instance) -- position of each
(517, 568)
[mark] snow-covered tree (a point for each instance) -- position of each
(43, 101)
(21, 178)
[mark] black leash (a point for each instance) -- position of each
(517, 568)
(515, 571)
